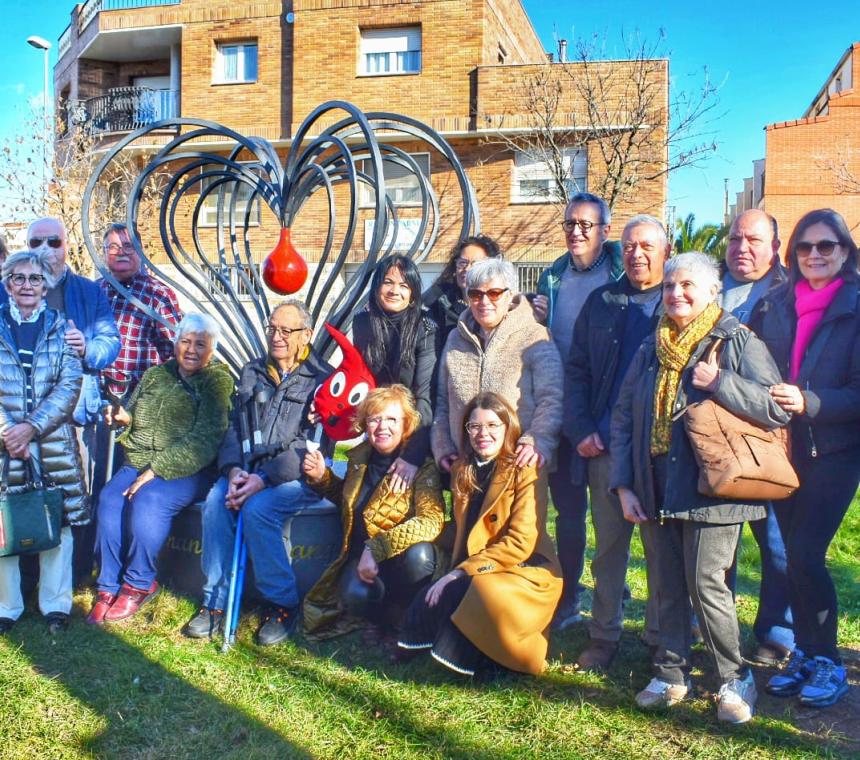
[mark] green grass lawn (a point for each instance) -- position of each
(141, 690)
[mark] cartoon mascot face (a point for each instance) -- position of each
(337, 398)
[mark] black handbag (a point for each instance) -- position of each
(31, 515)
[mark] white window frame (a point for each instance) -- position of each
(392, 51)
(208, 216)
(535, 171)
(395, 187)
(244, 74)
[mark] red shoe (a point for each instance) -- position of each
(129, 601)
(104, 599)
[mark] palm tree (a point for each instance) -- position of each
(709, 238)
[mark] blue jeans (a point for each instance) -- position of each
(265, 514)
(773, 620)
(131, 532)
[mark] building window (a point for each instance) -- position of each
(236, 62)
(502, 54)
(390, 51)
(241, 281)
(209, 210)
(533, 177)
(401, 185)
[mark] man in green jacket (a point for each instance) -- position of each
(591, 260)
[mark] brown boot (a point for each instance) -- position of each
(598, 655)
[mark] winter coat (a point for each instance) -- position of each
(520, 363)
(594, 356)
(829, 373)
(746, 372)
(56, 384)
(551, 277)
(283, 418)
(177, 423)
(394, 522)
(516, 577)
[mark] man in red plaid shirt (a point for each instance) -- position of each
(146, 342)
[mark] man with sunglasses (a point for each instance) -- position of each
(278, 389)
(591, 260)
(752, 267)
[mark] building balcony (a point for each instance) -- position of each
(92, 7)
(124, 109)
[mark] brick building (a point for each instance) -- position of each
(814, 162)
(260, 67)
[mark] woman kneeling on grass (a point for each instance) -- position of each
(494, 607)
(386, 554)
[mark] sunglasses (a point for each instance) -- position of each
(824, 248)
(52, 240)
(494, 294)
(19, 279)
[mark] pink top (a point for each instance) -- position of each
(810, 306)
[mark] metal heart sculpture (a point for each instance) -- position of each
(208, 163)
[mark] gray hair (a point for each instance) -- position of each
(39, 260)
(299, 306)
(652, 221)
(198, 323)
(602, 205)
(489, 269)
(697, 264)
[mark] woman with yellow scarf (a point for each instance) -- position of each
(656, 476)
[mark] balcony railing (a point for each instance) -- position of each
(92, 7)
(125, 109)
(65, 41)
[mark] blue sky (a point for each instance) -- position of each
(771, 58)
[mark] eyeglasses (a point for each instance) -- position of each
(494, 294)
(55, 241)
(375, 422)
(283, 332)
(19, 279)
(569, 225)
(824, 247)
(115, 248)
(491, 427)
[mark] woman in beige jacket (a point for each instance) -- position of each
(499, 346)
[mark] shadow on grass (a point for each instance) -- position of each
(147, 711)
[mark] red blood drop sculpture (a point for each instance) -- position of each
(284, 270)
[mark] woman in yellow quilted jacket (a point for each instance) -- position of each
(387, 552)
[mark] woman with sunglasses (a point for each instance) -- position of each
(40, 379)
(499, 346)
(494, 607)
(812, 327)
(397, 341)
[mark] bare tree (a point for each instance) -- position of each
(842, 172)
(636, 126)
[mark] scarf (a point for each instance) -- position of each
(674, 349)
(809, 305)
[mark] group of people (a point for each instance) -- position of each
(577, 391)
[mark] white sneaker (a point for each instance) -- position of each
(660, 693)
(736, 700)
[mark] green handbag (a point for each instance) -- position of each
(31, 515)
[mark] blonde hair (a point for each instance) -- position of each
(379, 398)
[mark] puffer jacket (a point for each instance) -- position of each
(394, 522)
(746, 372)
(520, 362)
(56, 383)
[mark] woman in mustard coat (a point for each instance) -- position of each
(493, 608)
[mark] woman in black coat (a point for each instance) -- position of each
(398, 343)
(811, 325)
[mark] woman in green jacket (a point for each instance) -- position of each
(174, 426)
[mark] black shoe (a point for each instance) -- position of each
(56, 622)
(205, 624)
(6, 625)
(277, 625)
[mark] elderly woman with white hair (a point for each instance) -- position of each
(174, 424)
(499, 346)
(655, 474)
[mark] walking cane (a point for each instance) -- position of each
(237, 567)
(115, 400)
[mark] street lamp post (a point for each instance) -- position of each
(40, 43)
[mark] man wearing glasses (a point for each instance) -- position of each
(591, 261)
(279, 389)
